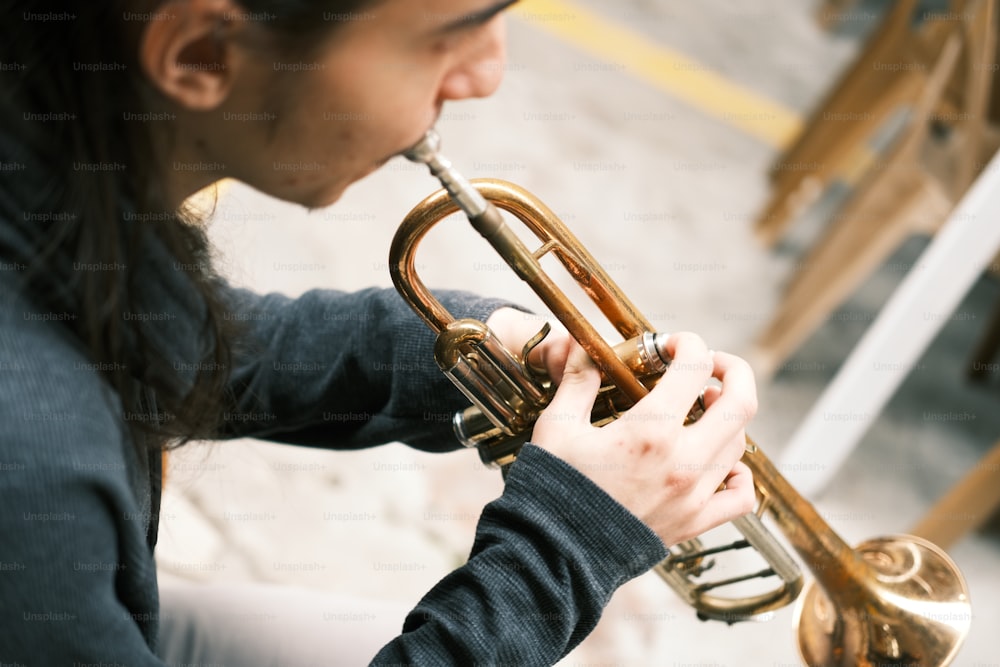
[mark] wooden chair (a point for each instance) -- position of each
(911, 187)
(966, 506)
(890, 74)
(847, 117)
(976, 497)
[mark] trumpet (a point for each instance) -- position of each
(889, 601)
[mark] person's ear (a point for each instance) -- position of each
(188, 53)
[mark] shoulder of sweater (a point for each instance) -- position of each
(51, 394)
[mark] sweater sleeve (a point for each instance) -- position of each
(77, 577)
(343, 370)
(548, 555)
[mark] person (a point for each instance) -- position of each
(119, 340)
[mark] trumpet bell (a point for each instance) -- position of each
(915, 611)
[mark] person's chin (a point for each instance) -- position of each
(320, 197)
(331, 194)
(324, 200)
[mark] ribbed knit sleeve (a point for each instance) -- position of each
(548, 555)
(343, 370)
(77, 577)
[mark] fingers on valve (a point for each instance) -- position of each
(690, 369)
(737, 380)
(735, 499)
(574, 396)
(739, 483)
(709, 395)
(731, 406)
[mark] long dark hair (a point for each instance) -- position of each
(83, 201)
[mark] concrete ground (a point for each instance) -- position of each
(664, 194)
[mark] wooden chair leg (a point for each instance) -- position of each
(894, 202)
(876, 222)
(852, 88)
(986, 351)
(966, 506)
(834, 143)
(974, 78)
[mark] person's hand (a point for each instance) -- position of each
(669, 475)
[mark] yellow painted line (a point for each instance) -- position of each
(665, 69)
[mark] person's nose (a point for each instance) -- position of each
(480, 69)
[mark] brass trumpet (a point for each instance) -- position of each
(896, 600)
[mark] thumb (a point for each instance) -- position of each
(574, 398)
(552, 354)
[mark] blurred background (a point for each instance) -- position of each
(653, 129)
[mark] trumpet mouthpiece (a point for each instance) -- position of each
(462, 193)
(424, 150)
